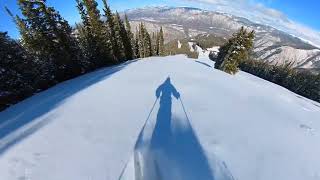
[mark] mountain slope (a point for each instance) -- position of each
(271, 44)
(205, 124)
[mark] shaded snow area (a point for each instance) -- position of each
(162, 118)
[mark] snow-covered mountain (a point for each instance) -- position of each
(271, 44)
(168, 118)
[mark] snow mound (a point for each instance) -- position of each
(214, 49)
(168, 118)
(179, 45)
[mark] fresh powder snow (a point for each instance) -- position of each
(162, 118)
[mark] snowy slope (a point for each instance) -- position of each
(205, 125)
(299, 57)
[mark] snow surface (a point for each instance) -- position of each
(191, 46)
(179, 44)
(214, 49)
(205, 124)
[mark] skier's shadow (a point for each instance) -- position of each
(174, 151)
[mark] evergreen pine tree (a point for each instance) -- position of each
(93, 16)
(148, 44)
(21, 26)
(236, 50)
(17, 72)
(99, 36)
(136, 44)
(113, 28)
(118, 37)
(130, 36)
(141, 41)
(125, 38)
(49, 36)
(86, 40)
(157, 44)
(161, 43)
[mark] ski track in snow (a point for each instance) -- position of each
(205, 124)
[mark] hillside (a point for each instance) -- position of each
(205, 124)
(271, 44)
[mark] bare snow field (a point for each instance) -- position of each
(162, 118)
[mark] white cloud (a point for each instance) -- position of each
(258, 12)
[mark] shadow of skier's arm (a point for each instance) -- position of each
(175, 93)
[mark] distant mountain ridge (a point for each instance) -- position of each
(271, 44)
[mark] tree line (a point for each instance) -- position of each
(182, 46)
(236, 54)
(50, 51)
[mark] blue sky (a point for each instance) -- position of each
(306, 12)
(298, 17)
